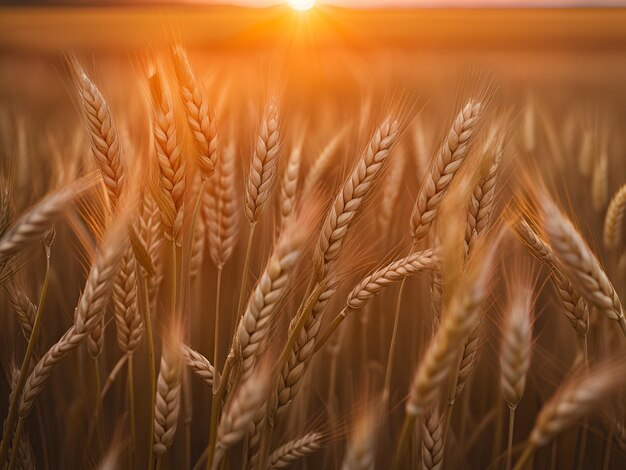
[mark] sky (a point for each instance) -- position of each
(347, 3)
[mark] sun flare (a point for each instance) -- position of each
(301, 5)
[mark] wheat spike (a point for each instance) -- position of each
(105, 141)
(200, 115)
(237, 416)
(289, 188)
(88, 315)
(364, 176)
(222, 210)
(168, 396)
(270, 291)
(516, 344)
(286, 455)
(457, 323)
(574, 306)
(25, 310)
(445, 166)
(32, 225)
(482, 200)
(198, 364)
(580, 263)
(127, 317)
(614, 220)
(264, 166)
(169, 156)
(573, 400)
(432, 441)
(420, 262)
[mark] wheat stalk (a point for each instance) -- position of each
(444, 167)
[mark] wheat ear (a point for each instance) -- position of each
(600, 182)
(198, 364)
(168, 396)
(105, 141)
(286, 455)
(34, 223)
(222, 210)
(614, 220)
(457, 323)
(289, 187)
(361, 450)
(169, 156)
(366, 173)
(516, 345)
(87, 316)
(264, 166)
(581, 264)
(574, 306)
(572, 401)
(238, 414)
(127, 315)
(482, 200)
(200, 115)
(432, 441)
(445, 166)
(269, 293)
(24, 308)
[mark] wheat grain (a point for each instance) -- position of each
(198, 364)
(432, 441)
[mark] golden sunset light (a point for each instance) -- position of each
(333, 234)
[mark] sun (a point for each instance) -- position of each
(301, 5)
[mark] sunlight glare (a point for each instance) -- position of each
(301, 5)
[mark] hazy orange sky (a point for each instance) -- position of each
(434, 3)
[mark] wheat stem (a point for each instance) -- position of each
(151, 365)
(216, 325)
(131, 410)
(19, 386)
(509, 449)
(244, 275)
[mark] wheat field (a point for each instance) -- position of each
(242, 249)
